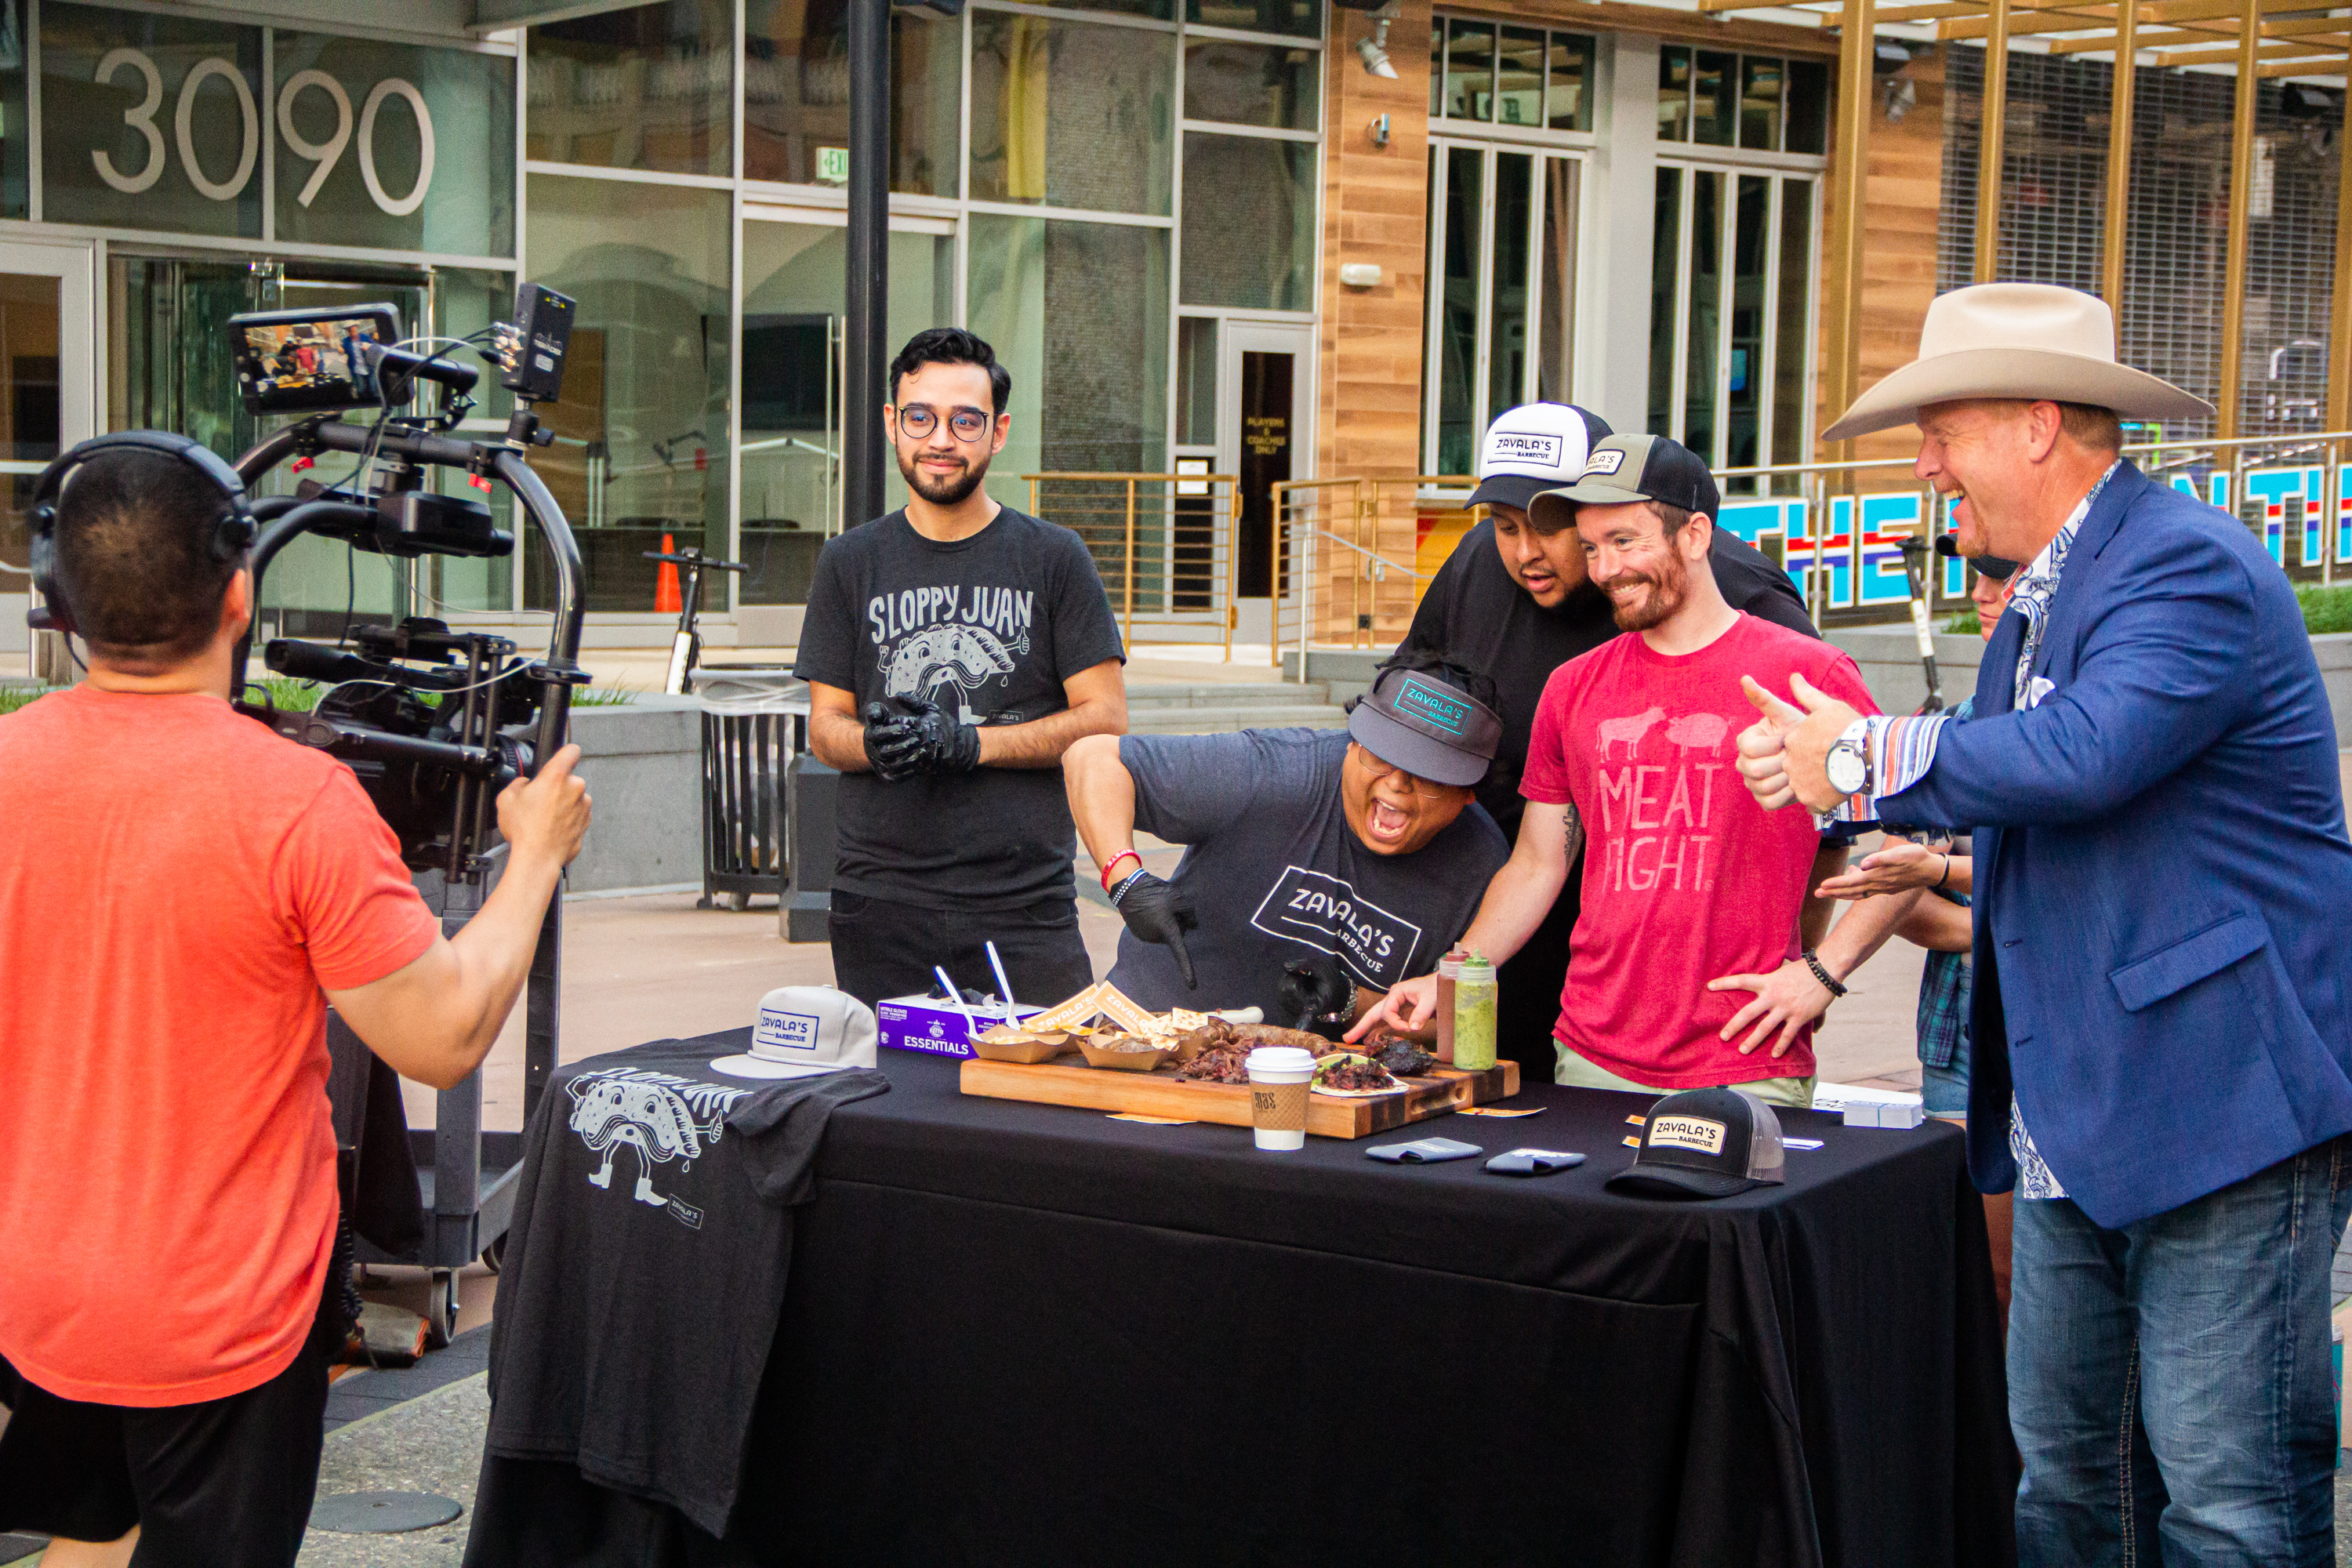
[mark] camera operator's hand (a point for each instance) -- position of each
(1316, 990)
(948, 745)
(893, 748)
(546, 815)
(1157, 912)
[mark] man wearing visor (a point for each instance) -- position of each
(1514, 602)
(1322, 866)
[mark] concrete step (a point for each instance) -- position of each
(1207, 720)
(1157, 695)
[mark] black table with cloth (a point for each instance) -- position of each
(1025, 1334)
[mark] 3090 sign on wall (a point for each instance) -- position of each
(189, 124)
(322, 155)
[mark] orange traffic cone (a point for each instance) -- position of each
(666, 598)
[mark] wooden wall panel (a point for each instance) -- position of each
(1902, 198)
(1375, 210)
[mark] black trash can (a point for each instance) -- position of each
(754, 721)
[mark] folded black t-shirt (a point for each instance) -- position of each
(647, 1265)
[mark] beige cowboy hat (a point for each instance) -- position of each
(2016, 340)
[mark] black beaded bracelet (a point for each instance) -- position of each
(1822, 975)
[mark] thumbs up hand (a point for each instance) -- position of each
(1782, 754)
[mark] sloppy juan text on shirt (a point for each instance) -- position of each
(1657, 828)
(942, 644)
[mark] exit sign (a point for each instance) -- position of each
(832, 165)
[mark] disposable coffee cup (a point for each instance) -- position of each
(1281, 1078)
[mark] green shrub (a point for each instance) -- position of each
(613, 696)
(2326, 609)
(1963, 625)
(286, 694)
(15, 696)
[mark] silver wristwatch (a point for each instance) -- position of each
(1848, 763)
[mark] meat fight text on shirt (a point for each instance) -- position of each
(1657, 820)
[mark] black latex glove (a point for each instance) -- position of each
(944, 745)
(1157, 912)
(893, 750)
(1316, 992)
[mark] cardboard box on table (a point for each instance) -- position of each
(930, 1025)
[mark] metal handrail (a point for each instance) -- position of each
(1128, 481)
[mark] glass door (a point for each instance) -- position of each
(1502, 315)
(1731, 312)
(795, 279)
(44, 406)
(169, 368)
(1265, 428)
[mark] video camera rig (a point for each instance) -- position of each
(435, 721)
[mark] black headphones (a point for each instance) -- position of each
(230, 536)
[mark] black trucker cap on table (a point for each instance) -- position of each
(1704, 1144)
(1427, 726)
(1625, 469)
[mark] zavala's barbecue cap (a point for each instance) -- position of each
(1427, 726)
(1704, 1144)
(1532, 448)
(1629, 468)
(803, 1030)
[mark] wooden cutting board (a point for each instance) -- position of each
(1068, 1081)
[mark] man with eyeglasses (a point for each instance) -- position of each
(953, 651)
(1322, 866)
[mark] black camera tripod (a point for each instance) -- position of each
(435, 722)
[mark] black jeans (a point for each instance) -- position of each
(887, 949)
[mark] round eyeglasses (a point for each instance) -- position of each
(919, 419)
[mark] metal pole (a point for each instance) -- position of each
(866, 309)
(1127, 580)
(1992, 122)
(2119, 134)
(1232, 562)
(1849, 175)
(2339, 352)
(2242, 190)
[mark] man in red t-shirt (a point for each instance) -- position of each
(181, 894)
(1691, 892)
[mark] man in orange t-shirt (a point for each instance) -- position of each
(182, 893)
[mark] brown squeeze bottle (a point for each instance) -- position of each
(1449, 969)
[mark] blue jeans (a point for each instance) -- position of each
(1944, 1091)
(2168, 1381)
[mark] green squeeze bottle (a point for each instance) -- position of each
(1474, 1015)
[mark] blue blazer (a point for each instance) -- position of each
(2162, 864)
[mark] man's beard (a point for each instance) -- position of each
(1664, 598)
(949, 491)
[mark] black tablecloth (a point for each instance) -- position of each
(1024, 1334)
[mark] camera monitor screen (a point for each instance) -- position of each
(291, 361)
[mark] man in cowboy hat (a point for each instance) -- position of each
(2162, 1016)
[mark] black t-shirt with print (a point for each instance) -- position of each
(988, 627)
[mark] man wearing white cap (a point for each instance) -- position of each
(1513, 603)
(2162, 1015)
